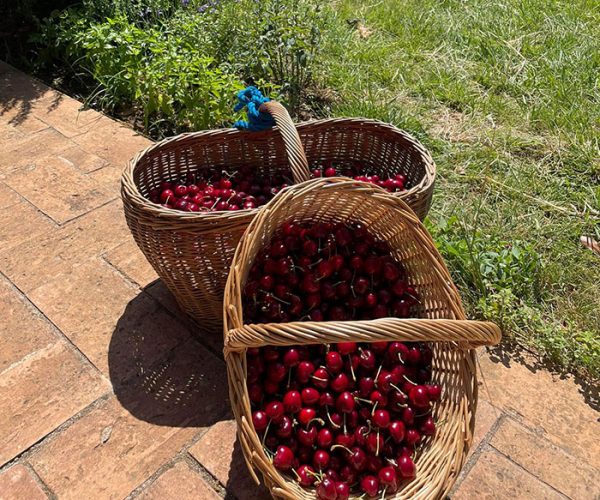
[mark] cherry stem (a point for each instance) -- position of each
(409, 380)
(399, 390)
(377, 449)
(310, 266)
(332, 422)
(281, 300)
(374, 408)
(296, 474)
(342, 447)
(423, 414)
(368, 401)
(351, 367)
(265, 434)
(400, 358)
(319, 421)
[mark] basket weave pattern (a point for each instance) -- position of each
(442, 322)
(191, 252)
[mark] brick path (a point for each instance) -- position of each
(105, 392)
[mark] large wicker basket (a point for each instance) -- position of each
(191, 252)
(442, 323)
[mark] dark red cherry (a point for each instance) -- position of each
(370, 485)
(283, 458)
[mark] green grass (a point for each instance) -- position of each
(506, 94)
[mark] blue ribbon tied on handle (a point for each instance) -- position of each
(251, 98)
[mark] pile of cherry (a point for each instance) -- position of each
(342, 417)
(244, 189)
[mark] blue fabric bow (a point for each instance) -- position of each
(251, 98)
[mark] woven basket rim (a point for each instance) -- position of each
(131, 192)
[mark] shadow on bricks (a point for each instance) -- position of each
(240, 485)
(160, 373)
(508, 353)
(18, 94)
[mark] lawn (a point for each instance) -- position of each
(505, 94)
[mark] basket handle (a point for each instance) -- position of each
(467, 334)
(291, 139)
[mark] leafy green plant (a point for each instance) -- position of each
(487, 265)
(179, 67)
(159, 72)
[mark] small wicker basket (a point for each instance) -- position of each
(442, 322)
(191, 252)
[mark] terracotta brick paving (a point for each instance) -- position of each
(105, 392)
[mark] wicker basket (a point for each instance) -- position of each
(191, 252)
(443, 323)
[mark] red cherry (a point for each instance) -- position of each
(434, 392)
(370, 485)
(428, 427)
(397, 430)
(275, 411)
(365, 386)
(408, 416)
(345, 439)
(387, 476)
(307, 437)
(340, 382)
(285, 427)
(292, 401)
(276, 372)
(260, 420)
(304, 371)
(367, 359)
(412, 436)
(255, 393)
(310, 396)
(375, 443)
(306, 475)
(406, 467)
(374, 463)
(181, 190)
(324, 438)
(345, 402)
(343, 490)
(305, 415)
(326, 489)
(321, 460)
(418, 397)
(321, 378)
(283, 458)
(346, 347)
(166, 196)
(326, 399)
(334, 361)
(291, 357)
(330, 172)
(381, 418)
(360, 435)
(361, 285)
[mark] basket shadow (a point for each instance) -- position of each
(160, 373)
(240, 485)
